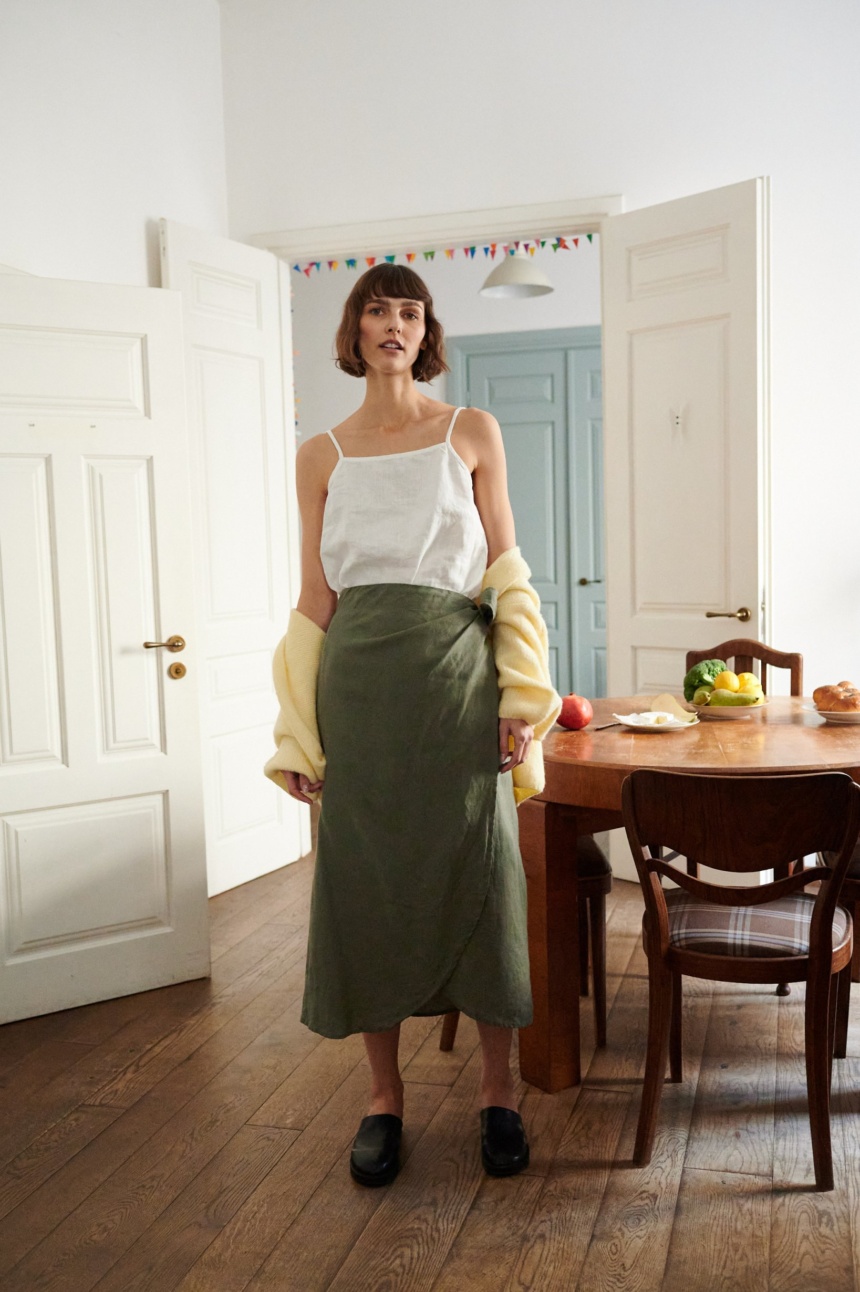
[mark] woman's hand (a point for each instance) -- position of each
(299, 786)
(521, 734)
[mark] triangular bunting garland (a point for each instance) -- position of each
(528, 245)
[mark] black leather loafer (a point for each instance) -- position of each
(375, 1157)
(504, 1147)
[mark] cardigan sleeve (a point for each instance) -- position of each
(521, 651)
(295, 668)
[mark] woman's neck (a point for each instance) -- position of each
(392, 401)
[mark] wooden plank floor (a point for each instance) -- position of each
(197, 1138)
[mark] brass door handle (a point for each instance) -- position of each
(584, 582)
(744, 614)
(172, 644)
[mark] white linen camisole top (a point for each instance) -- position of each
(403, 518)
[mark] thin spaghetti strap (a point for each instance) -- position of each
(335, 443)
(451, 425)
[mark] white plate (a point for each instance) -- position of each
(634, 721)
(839, 717)
(731, 711)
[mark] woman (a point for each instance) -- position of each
(418, 904)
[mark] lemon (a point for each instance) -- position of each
(748, 679)
(727, 681)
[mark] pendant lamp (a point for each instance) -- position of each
(517, 276)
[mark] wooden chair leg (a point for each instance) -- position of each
(842, 991)
(782, 872)
(818, 1063)
(855, 958)
(583, 945)
(659, 1010)
(676, 1064)
(449, 1030)
(597, 921)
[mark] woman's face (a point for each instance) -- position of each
(390, 333)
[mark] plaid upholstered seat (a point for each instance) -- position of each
(779, 928)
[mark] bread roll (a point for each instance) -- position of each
(841, 697)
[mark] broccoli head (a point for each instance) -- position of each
(702, 675)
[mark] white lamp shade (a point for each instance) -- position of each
(517, 276)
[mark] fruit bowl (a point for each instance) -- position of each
(730, 711)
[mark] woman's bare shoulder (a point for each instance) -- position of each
(478, 421)
(478, 436)
(316, 458)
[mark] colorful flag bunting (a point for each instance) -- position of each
(529, 245)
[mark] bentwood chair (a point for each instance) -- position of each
(594, 879)
(742, 651)
(771, 933)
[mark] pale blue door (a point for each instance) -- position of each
(544, 390)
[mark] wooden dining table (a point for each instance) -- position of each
(584, 774)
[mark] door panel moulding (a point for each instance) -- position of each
(413, 233)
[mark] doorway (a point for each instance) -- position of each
(545, 390)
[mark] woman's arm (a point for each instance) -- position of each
(484, 453)
(314, 464)
(315, 461)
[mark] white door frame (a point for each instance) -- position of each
(412, 233)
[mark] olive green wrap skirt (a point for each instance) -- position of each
(419, 900)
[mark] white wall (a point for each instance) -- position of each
(111, 115)
(325, 395)
(340, 112)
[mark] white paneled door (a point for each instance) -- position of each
(686, 449)
(686, 452)
(238, 355)
(102, 866)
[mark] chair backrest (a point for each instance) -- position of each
(739, 824)
(743, 650)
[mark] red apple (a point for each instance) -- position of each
(576, 712)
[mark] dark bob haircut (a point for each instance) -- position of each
(400, 283)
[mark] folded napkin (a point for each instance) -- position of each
(521, 652)
(295, 668)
